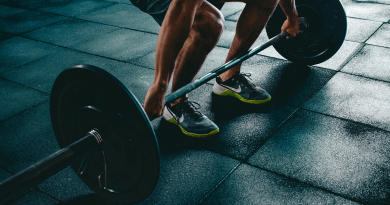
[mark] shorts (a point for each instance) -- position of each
(159, 8)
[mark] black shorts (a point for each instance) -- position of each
(158, 8)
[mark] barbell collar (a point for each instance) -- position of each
(36, 173)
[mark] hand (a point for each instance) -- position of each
(291, 25)
(154, 103)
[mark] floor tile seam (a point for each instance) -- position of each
(27, 63)
(72, 50)
(25, 110)
(221, 182)
(373, 33)
(131, 29)
(36, 188)
(45, 26)
(48, 94)
(305, 183)
(336, 72)
(365, 77)
(358, 18)
(246, 159)
(347, 120)
(113, 4)
(350, 57)
(6, 170)
(36, 10)
(76, 17)
(13, 200)
(368, 2)
(377, 45)
(232, 15)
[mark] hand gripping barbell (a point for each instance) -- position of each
(105, 134)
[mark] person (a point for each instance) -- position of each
(190, 29)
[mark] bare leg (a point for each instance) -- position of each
(173, 33)
(249, 26)
(204, 35)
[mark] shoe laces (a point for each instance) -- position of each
(243, 78)
(191, 108)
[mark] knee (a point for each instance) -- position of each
(208, 27)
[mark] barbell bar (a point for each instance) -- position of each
(106, 136)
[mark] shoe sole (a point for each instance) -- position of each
(236, 95)
(173, 121)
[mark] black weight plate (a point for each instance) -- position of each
(327, 27)
(85, 97)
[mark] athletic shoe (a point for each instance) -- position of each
(238, 86)
(191, 122)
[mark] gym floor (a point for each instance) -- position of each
(324, 139)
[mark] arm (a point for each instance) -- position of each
(291, 25)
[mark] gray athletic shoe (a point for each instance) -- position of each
(191, 122)
(238, 86)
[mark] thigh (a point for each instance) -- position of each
(159, 17)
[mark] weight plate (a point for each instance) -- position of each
(327, 27)
(126, 168)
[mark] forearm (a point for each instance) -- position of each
(289, 8)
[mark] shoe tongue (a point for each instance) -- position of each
(190, 109)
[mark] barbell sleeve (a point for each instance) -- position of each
(36, 173)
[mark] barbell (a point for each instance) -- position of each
(106, 136)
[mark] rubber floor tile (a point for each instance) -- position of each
(369, 11)
(66, 186)
(286, 82)
(4, 174)
(6, 11)
(343, 55)
(249, 185)
(355, 98)
(234, 17)
(147, 60)
(74, 8)
(70, 32)
(27, 138)
(136, 79)
(188, 175)
(122, 44)
(35, 198)
(16, 98)
(28, 21)
(31, 4)
(42, 73)
(369, 1)
(230, 8)
(381, 37)
(243, 128)
(125, 16)
(18, 51)
(343, 157)
(4, 36)
(356, 33)
(370, 62)
(120, 1)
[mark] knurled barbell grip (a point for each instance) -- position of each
(26, 179)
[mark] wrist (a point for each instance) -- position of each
(293, 16)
